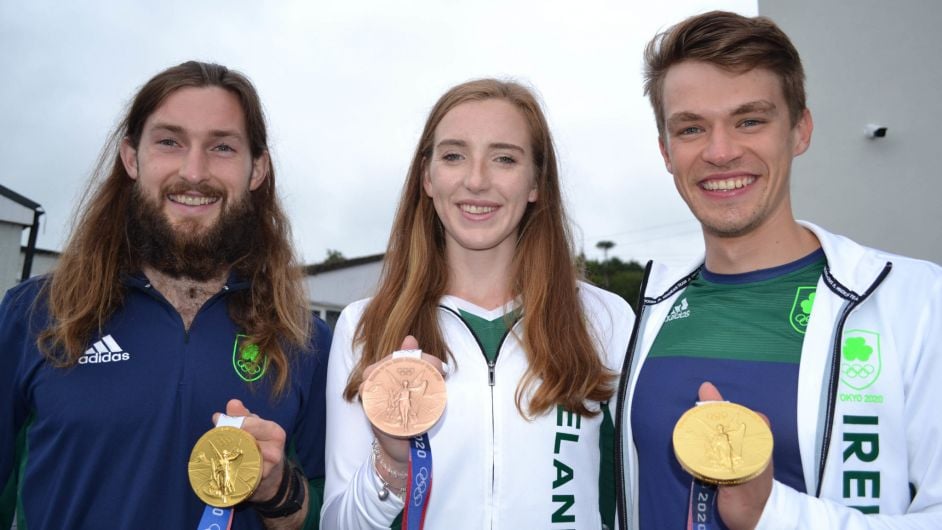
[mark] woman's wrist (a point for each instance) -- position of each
(392, 474)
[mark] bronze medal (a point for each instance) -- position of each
(404, 396)
(225, 466)
(722, 443)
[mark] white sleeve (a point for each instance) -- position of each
(789, 509)
(351, 488)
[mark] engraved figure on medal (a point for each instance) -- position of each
(225, 467)
(722, 443)
(404, 397)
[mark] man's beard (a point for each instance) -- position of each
(190, 250)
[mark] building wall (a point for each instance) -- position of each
(329, 292)
(11, 265)
(870, 61)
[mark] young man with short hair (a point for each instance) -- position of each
(838, 345)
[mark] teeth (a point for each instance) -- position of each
(728, 184)
(192, 200)
(474, 209)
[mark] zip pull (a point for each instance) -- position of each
(491, 376)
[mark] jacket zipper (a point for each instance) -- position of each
(491, 379)
(854, 300)
(621, 497)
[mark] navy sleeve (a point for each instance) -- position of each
(308, 439)
(15, 342)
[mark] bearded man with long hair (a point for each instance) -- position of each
(176, 297)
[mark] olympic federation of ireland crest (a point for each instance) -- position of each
(801, 309)
(860, 358)
(249, 363)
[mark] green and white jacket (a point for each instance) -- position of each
(492, 468)
(869, 419)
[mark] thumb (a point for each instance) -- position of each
(709, 392)
(409, 343)
(233, 408)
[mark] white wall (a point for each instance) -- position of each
(870, 61)
(337, 288)
(11, 265)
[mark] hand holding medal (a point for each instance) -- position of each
(242, 459)
(403, 396)
(727, 446)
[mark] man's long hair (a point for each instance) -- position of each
(86, 287)
(564, 365)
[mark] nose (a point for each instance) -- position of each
(721, 148)
(477, 178)
(194, 166)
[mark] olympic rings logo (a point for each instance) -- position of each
(420, 484)
(249, 368)
(863, 371)
(801, 319)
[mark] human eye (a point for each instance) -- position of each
(751, 122)
(167, 142)
(224, 148)
(452, 157)
(506, 160)
(688, 130)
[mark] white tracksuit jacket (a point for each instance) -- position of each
(869, 422)
(492, 469)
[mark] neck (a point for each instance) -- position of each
(480, 277)
(186, 295)
(762, 248)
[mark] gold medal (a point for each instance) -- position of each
(225, 466)
(722, 443)
(404, 396)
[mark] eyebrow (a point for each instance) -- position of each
(760, 106)
(215, 133)
(496, 145)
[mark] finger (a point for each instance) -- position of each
(709, 392)
(409, 343)
(235, 408)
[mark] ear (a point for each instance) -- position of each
(128, 157)
(802, 132)
(426, 177)
(259, 170)
(665, 154)
(534, 191)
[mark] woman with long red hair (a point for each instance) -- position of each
(480, 271)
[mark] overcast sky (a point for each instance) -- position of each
(347, 87)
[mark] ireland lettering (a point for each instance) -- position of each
(861, 447)
(568, 425)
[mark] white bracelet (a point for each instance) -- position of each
(385, 488)
(378, 458)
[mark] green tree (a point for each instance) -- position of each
(333, 256)
(623, 278)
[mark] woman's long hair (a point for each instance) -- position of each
(564, 366)
(86, 287)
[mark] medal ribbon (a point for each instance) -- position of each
(220, 518)
(701, 515)
(420, 482)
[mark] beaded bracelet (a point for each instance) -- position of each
(385, 487)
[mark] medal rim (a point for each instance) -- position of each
(215, 432)
(757, 420)
(428, 367)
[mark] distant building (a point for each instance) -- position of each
(332, 286)
(17, 213)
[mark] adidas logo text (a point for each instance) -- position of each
(679, 311)
(105, 350)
